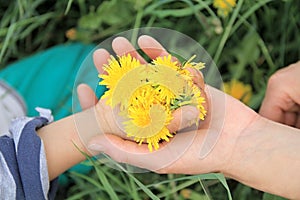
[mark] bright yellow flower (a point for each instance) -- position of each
(166, 61)
(199, 101)
(238, 90)
(147, 95)
(224, 6)
(118, 72)
(149, 115)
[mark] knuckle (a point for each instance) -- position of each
(276, 78)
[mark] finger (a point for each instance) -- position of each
(123, 151)
(153, 48)
(122, 46)
(290, 118)
(98, 144)
(100, 57)
(297, 125)
(198, 78)
(183, 117)
(86, 96)
(271, 107)
(130, 152)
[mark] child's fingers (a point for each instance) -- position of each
(122, 46)
(152, 47)
(100, 58)
(183, 117)
(86, 96)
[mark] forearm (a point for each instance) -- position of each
(267, 157)
(62, 141)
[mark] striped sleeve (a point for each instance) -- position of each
(23, 167)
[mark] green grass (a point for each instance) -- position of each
(257, 38)
(118, 183)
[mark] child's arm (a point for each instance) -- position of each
(23, 167)
(60, 139)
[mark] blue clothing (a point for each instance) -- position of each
(47, 80)
(23, 166)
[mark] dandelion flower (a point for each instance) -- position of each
(147, 94)
(166, 61)
(224, 6)
(149, 115)
(119, 72)
(239, 90)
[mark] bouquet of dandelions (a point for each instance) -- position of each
(147, 94)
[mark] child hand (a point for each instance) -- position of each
(109, 117)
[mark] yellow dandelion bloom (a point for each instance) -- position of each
(148, 116)
(164, 95)
(147, 95)
(166, 61)
(224, 6)
(189, 64)
(166, 76)
(198, 100)
(119, 73)
(239, 90)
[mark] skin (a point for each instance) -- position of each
(61, 139)
(282, 100)
(233, 139)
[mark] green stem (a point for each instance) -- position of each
(205, 189)
(10, 32)
(284, 31)
(133, 186)
(247, 14)
(68, 7)
(227, 31)
(137, 24)
(212, 70)
(173, 186)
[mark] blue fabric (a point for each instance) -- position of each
(29, 158)
(23, 163)
(7, 148)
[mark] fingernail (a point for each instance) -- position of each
(96, 147)
(190, 117)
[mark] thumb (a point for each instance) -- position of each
(86, 96)
(183, 117)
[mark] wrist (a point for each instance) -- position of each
(265, 153)
(246, 143)
(65, 139)
(87, 125)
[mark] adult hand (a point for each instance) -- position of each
(232, 139)
(282, 99)
(207, 149)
